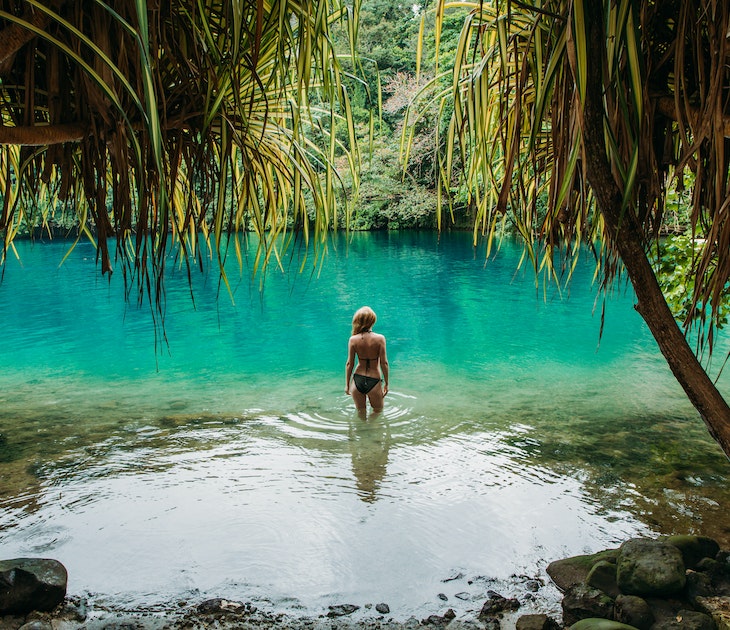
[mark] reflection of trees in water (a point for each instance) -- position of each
(369, 444)
(673, 479)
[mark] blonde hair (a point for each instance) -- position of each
(364, 319)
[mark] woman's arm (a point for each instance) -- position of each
(350, 364)
(384, 367)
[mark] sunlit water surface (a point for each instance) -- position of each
(230, 463)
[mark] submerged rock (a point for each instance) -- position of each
(440, 620)
(496, 605)
(341, 610)
(28, 584)
(650, 568)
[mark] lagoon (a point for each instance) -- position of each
(227, 461)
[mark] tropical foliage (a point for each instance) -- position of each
(572, 115)
(170, 125)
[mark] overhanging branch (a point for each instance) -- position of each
(45, 135)
(666, 106)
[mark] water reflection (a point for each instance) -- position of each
(369, 442)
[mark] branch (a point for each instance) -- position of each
(15, 36)
(666, 106)
(38, 136)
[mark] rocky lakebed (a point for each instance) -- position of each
(668, 583)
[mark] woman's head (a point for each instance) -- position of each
(364, 319)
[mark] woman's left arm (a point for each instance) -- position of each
(350, 364)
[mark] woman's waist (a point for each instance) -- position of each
(371, 371)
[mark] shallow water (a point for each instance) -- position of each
(231, 463)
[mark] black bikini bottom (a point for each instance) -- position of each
(365, 383)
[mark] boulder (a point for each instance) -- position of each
(600, 624)
(603, 577)
(583, 602)
(28, 584)
(650, 568)
(714, 568)
(693, 548)
(698, 585)
(571, 571)
(536, 622)
(634, 611)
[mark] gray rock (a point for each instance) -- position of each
(571, 571)
(698, 585)
(496, 605)
(583, 602)
(37, 624)
(715, 569)
(383, 609)
(218, 605)
(603, 577)
(28, 584)
(439, 620)
(693, 548)
(600, 624)
(536, 622)
(687, 620)
(634, 611)
(650, 568)
(341, 610)
(718, 608)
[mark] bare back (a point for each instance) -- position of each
(369, 348)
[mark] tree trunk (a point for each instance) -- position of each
(627, 235)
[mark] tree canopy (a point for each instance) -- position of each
(171, 124)
(574, 116)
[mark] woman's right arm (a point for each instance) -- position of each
(384, 367)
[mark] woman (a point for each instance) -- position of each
(371, 359)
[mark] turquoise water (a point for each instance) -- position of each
(228, 462)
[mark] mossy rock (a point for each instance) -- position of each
(650, 568)
(571, 571)
(693, 548)
(603, 577)
(600, 624)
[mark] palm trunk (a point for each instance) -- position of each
(627, 236)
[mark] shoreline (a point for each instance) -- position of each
(645, 583)
(534, 595)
